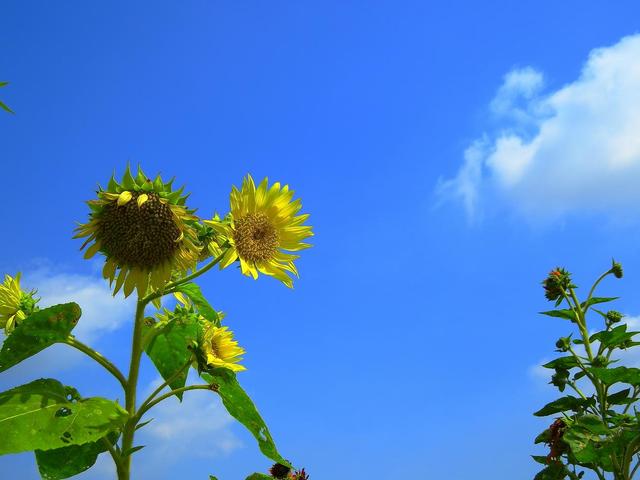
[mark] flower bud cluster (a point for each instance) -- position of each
(556, 284)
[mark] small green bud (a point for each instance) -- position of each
(563, 344)
(556, 283)
(560, 378)
(600, 361)
(613, 317)
(616, 269)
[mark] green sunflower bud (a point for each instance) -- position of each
(560, 378)
(556, 283)
(612, 317)
(563, 344)
(616, 269)
(600, 361)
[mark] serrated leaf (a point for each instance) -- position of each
(41, 415)
(611, 376)
(562, 362)
(194, 293)
(563, 404)
(561, 313)
(241, 407)
(169, 350)
(37, 332)
(66, 462)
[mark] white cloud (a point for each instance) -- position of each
(575, 149)
(199, 427)
(101, 312)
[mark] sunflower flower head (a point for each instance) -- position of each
(261, 229)
(15, 304)
(143, 229)
(219, 349)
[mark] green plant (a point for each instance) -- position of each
(598, 427)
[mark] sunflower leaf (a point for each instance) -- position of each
(240, 407)
(66, 462)
(46, 415)
(193, 291)
(37, 332)
(259, 476)
(170, 350)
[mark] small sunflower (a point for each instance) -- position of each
(144, 230)
(261, 227)
(220, 349)
(15, 305)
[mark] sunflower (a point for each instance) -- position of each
(15, 305)
(144, 230)
(220, 349)
(261, 227)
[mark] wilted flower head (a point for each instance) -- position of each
(299, 475)
(556, 444)
(279, 471)
(261, 227)
(15, 305)
(556, 283)
(143, 229)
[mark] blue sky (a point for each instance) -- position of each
(449, 156)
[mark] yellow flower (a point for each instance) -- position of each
(220, 349)
(144, 231)
(15, 305)
(260, 229)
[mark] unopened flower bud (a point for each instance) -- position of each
(556, 283)
(563, 344)
(600, 361)
(616, 269)
(560, 378)
(613, 316)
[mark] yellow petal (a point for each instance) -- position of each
(142, 198)
(124, 198)
(92, 250)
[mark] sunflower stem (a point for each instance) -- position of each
(110, 367)
(124, 470)
(167, 382)
(145, 408)
(168, 288)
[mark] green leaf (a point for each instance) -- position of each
(66, 462)
(555, 471)
(596, 300)
(211, 477)
(615, 337)
(540, 459)
(193, 291)
(259, 476)
(587, 444)
(619, 398)
(619, 374)
(169, 350)
(562, 362)
(4, 84)
(563, 404)
(44, 415)
(240, 406)
(561, 313)
(6, 108)
(37, 332)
